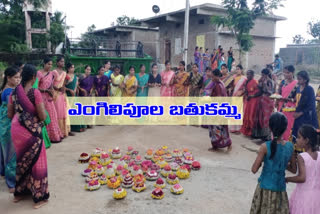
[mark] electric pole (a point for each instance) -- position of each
(186, 32)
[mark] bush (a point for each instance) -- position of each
(3, 67)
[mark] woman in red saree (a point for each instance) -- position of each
(167, 77)
(239, 81)
(288, 90)
(219, 135)
(251, 101)
(46, 81)
(181, 82)
(265, 107)
(26, 107)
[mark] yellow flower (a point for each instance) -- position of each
(113, 185)
(160, 186)
(138, 189)
(183, 175)
(119, 195)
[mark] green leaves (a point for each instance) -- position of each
(240, 18)
(125, 21)
(314, 29)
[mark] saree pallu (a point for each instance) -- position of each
(208, 85)
(228, 83)
(286, 92)
(116, 91)
(7, 151)
(249, 118)
(166, 77)
(31, 169)
(86, 83)
(214, 61)
(142, 81)
(47, 121)
(195, 84)
(46, 82)
(101, 85)
(239, 84)
(61, 104)
(72, 85)
(265, 108)
(180, 87)
(129, 82)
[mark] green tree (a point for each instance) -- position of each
(57, 30)
(298, 39)
(125, 21)
(314, 30)
(88, 39)
(240, 19)
(12, 26)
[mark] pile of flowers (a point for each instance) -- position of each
(111, 168)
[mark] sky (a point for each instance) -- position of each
(82, 13)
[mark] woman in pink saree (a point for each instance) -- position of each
(167, 77)
(46, 80)
(288, 90)
(239, 82)
(26, 107)
(60, 97)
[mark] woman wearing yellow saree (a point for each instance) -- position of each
(130, 84)
(181, 82)
(116, 82)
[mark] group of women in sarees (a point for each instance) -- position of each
(297, 103)
(34, 107)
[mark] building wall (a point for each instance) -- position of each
(261, 54)
(149, 40)
(264, 27)
(300, 55)
(173, 31)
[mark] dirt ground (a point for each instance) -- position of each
(225, 183)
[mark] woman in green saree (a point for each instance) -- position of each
(47, 121)
(71, 89)
(7, 152)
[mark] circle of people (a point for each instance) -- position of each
(33, 114)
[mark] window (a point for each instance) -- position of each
(178, 25)
(201, 22)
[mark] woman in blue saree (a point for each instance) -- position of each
(7, 151)
(306, 105)
(143, 79)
